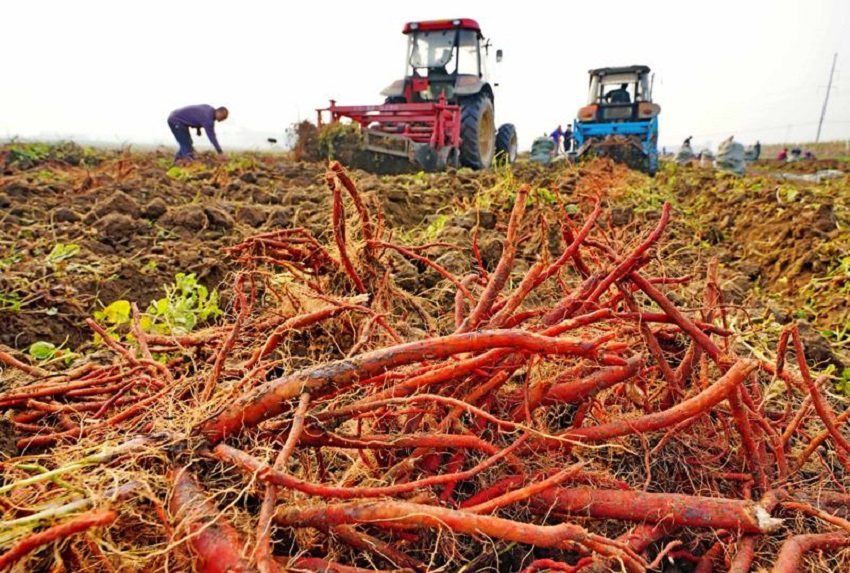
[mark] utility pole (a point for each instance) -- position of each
(826, 99)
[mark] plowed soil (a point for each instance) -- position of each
(134, 220)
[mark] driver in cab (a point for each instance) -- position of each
(619, 95)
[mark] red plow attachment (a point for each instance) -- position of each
(425, 133)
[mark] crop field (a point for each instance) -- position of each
(281, 363)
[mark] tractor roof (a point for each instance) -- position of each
(620, 70)
(429, 25)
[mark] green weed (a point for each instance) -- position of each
(7, 262)
(28, 155)
(435, 227)
(47, 352)
(62, 252)
(843, 384)
(11, 302)
(179, 173)
(185, 305)
(240, 163)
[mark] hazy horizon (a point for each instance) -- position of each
(757, 70)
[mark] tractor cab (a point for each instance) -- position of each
(620, 94)
(444, 57)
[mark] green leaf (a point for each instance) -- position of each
(161, 306)
(42, 350)
(117, 313)
(62, 251)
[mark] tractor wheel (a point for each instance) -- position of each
(477, 132)
(506, 144)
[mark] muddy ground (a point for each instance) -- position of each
(81, 229)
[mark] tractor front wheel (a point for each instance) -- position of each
(506, 144)
(477, 132)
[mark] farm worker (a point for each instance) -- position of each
(568, 138)
(783, 155)
(757, 149)
(196, 116)
(619, 95)
(556, 137)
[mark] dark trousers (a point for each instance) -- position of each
(184, 139)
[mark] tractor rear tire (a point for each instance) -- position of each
(477, 132)
(506, 144)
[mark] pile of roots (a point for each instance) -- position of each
(591, 413)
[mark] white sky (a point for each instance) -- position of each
(113, 70)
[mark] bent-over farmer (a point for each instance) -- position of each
(196, 116)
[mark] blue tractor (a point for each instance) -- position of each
(619, 121)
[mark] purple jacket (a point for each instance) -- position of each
(556, 135)
(197, 116)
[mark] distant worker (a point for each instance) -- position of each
(568, 139)
(619, 95)
(757, 149)
(556, 138)
(783, 155)
(688, 140)
(195, 116)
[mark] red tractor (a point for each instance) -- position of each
(442, 112)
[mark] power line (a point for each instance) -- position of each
(826, 98)
(771, 128)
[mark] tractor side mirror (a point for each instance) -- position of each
(499, 55)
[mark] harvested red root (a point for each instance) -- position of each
(402, 514)
(660, 420)
(662, 508)
(795, 548)
(271, 398)
(216, 545)
(88, 520)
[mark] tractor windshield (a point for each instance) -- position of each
(618, 89)
(431, 49)
(449, 52)
(470, 60)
